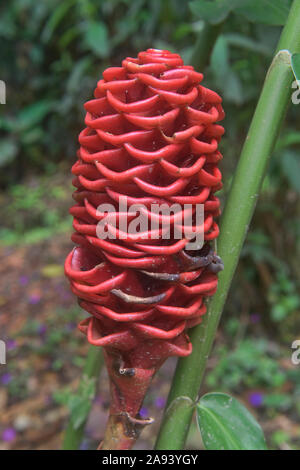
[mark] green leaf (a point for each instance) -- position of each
(296, 66)
(31, 115)
(213, 12)
(280, 401)
(233, 89)
(290, 138)
(272, 12)
(59, 12)
(216, 11)
(290, 164)
(227, 80)
(32, 135)
(96, 39)
(79, 404)
(244, 42)
(225, 424)
(77, 74)
(220, 58)
(8, 151)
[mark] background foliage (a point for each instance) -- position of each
(52, 54)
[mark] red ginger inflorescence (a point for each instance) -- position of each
(151, 138)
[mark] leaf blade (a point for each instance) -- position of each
(96, 39)
(212, 12)
(295, 61)
(269, 12)
(226, 424)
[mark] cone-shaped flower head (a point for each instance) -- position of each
(151, 139)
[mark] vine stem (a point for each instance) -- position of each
(264, 129)
(94, 362)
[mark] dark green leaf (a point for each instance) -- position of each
(34, 134)
(244, 42)
(280, 401)
(225, 424)
(79, 404)
(220, 57)
(289, 138)
(213, 12)
(227, 80)
(296, 66)
(290, 164)
(33, 114)
(272, 12)
(55, 19)
(96, 39)
(233, 88)
(77, 74)
(8, 151)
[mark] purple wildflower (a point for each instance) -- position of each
(160, 402)
(9, 435)
(84, 445)
(34, 299)
(70, 326)
(42, 329)
(255, 318)
(23, 280)
(256, 399)
(66, 296)
(6, 378)
(98, 400)
(144, 413)
(10, 344)
(48, 400)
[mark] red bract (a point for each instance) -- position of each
(151, 137)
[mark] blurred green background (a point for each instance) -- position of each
(52, 54)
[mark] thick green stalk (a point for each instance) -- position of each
(241, 202)
(73, 435)
(204, 45)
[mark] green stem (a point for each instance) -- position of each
(204, 45)
(264, 129)
(73, 435)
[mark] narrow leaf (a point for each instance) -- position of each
(213, 12)
(296, 66)
(55, 19)
(96, 39)
(8, 151)
(288, 139)
(272, 12)
(34, 113)
(290, 164)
